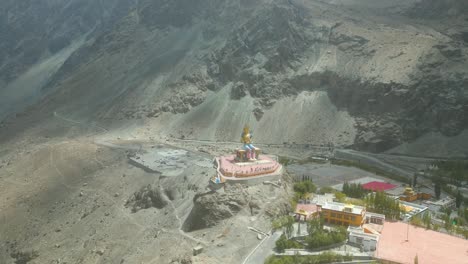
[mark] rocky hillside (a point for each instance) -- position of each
(32, 30)
(367, 74)
(36, 37)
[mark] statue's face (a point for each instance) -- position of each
(246, 130)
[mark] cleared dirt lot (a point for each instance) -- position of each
(64, 202)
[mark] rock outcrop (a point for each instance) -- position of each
(147, 197)
(211, 208)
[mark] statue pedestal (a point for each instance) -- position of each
(229, 169)
(241, 155)
(253, 162)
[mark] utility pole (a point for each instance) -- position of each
(407, 231)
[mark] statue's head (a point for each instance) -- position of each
(246, 129)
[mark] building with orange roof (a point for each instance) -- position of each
(343, 214)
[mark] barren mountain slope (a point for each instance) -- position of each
(78, 201)
(36, 37)
(371, 74)
(202, 68)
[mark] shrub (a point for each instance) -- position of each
(304, 187)
(321, 238)
(286, 223)
(354, 190)
(326, 189)
(283, 243)
(325, 257)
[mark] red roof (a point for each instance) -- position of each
(378, 186)
(431, 247)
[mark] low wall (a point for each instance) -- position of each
(254, 180)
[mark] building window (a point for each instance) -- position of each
(340, 216)
(346, 217)
(333, 215)
(353, 218)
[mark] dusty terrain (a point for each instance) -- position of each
(79, 200)
(77, 98)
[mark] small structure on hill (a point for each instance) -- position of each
(247, 165)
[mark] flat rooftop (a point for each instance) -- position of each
(431, 247)
(411, 209)
(378, 186)
(341, 206)
(309, 208)
(322, 199)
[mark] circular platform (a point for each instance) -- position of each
(228, 169)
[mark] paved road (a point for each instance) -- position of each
(265, 249)
(371, 160)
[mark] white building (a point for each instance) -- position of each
(367, 242)
(321, 199)
(373, 218)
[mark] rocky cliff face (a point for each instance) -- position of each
(210, 209)
(371, 75)
(32, 30)
(37, 37)
(439, 8)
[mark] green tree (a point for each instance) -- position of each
(289, 226)
(322, 258)
(416, 221)
(427, 220)
(345, 188)
(281, 243)
(341, 197)
(458, 199)
(314, 225)
(286, 223)
(380, 203)
(465, 233)
(284, 243)
(327, 189)
(304, 187)
(447, 210)
(437, 190)
(354, 190)
(319, 238)
(447, 223)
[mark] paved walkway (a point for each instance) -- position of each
(263, 250)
